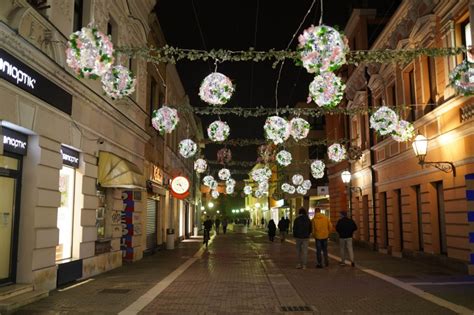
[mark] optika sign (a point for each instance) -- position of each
(15, 73)
(14, 141)
(70, 157)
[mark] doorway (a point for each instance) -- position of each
(10, 189)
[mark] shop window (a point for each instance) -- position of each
(65, 220)
(466, 37)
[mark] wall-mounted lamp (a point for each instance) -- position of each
(346, 179)
(420, 147)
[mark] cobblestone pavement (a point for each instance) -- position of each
(247, 274)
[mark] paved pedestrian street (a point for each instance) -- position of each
(247, 274)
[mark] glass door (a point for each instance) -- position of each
(9, 205)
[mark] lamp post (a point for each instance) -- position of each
(420, 147)
(346, 179)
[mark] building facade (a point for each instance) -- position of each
(84, 178)
(400, 207)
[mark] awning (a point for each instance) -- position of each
(119, 173)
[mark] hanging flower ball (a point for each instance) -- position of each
(404, 131)
(462, 78)
(216, 89)
(284, 158)
(200, 166)
(306, 184)
(90, 53)
(291, 190)
(248, 190)
(322, 48)
(258, 193)
(326, 90)
(165, 119)
(300, 190)
(218, 131)
(285, 187)
(384, 120)
(187, 148)
(336, 152)
(215, 194)
(263, 186)
(224, 155)
(261, 174)
(229, 190)
(299, 128)
(276, 129)
(118, 82)
(207, 180)
(230, 182)
(297, 179)
(214, 184)
(317, 169)
(224, 174)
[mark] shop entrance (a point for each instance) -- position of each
(10, 188)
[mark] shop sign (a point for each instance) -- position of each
(70, 157)
(157, 175)
(323, 190)
(27, 79)
(14, 142)
(180, 187)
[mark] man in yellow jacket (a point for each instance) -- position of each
(321, 227)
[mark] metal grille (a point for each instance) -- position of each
(151, 223)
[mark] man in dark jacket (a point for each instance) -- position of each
(346, 227)
(301, 233)
(283, 229)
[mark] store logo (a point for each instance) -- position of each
(69, 158)
(15, 143)
(15, 73)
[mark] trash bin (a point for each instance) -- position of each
(169, 238)
(195, 231)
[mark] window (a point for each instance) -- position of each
(78, 15)
(412, 96)
(392, 95)
(100, 215)
(112, 29)
(419, 213)
(65, 220)
(153, 94)
(466, 36)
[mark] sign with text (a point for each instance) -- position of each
(14, 141)
(70, 157)
(27, 79)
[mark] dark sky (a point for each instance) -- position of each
(238, 25)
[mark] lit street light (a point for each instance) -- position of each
(210, 204)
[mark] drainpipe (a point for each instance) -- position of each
(372, 159)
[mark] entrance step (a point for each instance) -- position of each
(9, 291)
(8, 306)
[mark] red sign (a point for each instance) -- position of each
(180, 187)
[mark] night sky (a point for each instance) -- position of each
(238, 25)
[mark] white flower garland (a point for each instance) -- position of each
(216, 89)
(326, 90)
(258, 194)
(317, 169)
(218, 131)
(306, 184)
(384, 120)
(462, 78)
(200, 166)
(297, 179)
(285, 187)
(336, 152)
(90, 53)
(187, 148)
(299, 128)
(322, 48)
(263, 186)
(404, 131)
(276, 129)
(248, 190)
(230, 182)
(291, 190)
(118, 82)
(261, 174)
(207, 180)
(224, 174)
(300, 190)
(284, 158)
(165, 119)
(215, 194)
(229, 190)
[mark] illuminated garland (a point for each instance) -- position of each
(289, 143)
(169, 54)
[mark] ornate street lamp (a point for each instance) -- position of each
(346, 179)
(420, 147)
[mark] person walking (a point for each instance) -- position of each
(321, 228)
(262, 222)
(301, 232)
(287, 221)
(346, 227)
(218, 223)
(207, 230)
(271, 230)
(224, 225)
(283, 229)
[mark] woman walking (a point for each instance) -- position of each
(271, 230)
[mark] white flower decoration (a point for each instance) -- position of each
(118, 82)
(276, 129)
(165, 119)
(261, 174)
(297, 179)
(207, 180)
(326, 90)
(462, 78)
(404, 131)
(230, 182)
(306, 184)
(336, 152)
(317, 169)
(300, 190)
(263, 186)
(291, 189)
(299, 128)
(229, 190)
(285, 187)
(187, 148)
(284, 158)
(224, 174)
(200, 166)
(248, 190)
(216, 89)
(384, 120)
(218, 131)
(215, 194)
(258, 193)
